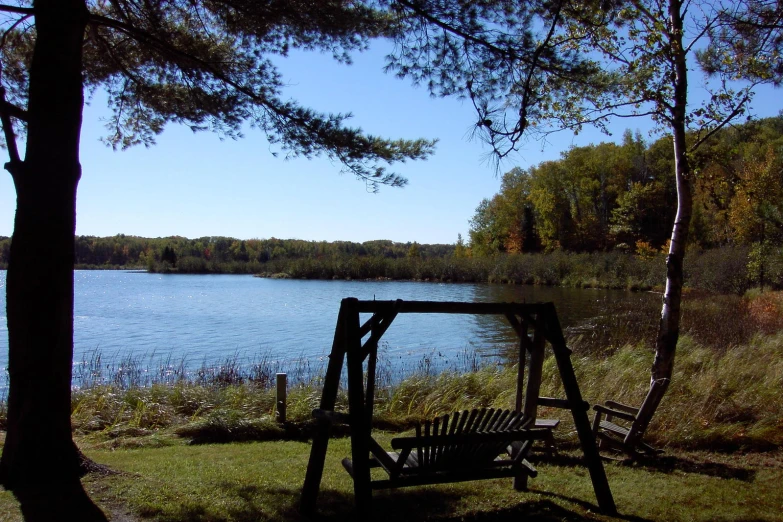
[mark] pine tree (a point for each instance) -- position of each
(205, 64)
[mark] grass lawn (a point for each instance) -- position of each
(261, 481)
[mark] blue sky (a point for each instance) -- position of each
(196, 185)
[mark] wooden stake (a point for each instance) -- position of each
(281, 397)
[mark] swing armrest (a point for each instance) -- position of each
(614, 413)
(622, 407)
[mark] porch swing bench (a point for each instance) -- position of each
(463, 446)
(479, 444)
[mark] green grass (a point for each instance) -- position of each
(261, 481)
(720, 424)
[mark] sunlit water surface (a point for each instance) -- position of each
(206, 319)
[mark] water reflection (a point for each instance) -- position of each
(200, 319)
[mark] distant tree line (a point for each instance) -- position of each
(727, 269)
(611, 198)
(217, 254)
(607, 196)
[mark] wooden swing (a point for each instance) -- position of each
(463, 446)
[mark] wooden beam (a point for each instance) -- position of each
(358, 415)
(564, 404)
(378, 328)
(519, 327)
(535, 372)
(449, 307)
(586, 437)
(521, 362)
(315, 466)
(369, 399)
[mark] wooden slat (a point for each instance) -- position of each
(419, 450)
(614, 413)
(434, 447)
(614, 428)
(622, 407)
(488, 450)
(425, 441)
(476, 417)
(512, 420)
(547, 423)
(467, 427)
(448, 450)
(489, 419)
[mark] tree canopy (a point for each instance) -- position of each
(207, 64)
(602, 196)
(552, 66)
(210, 66)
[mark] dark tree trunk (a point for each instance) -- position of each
(40, 462)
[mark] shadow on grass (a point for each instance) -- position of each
(587, 506)
(333, 506)
(669, 464)
(661, 464)
(223, 431)
(440, 506)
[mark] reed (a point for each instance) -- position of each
(726, 392)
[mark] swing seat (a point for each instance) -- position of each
(479, 444)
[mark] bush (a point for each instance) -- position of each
(722, 271)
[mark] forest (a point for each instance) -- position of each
(622, 196)
(599, 216)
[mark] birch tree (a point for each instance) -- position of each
(591, 63)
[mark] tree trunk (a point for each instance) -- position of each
(40, 462)
(669, 328)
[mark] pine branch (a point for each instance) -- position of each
(15, 9)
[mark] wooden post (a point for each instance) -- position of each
(359, 416)
(535, 372)
(281, 397)
(520, 481)
(520, 378)
(524, 346)
(578, 409)
(315, 465)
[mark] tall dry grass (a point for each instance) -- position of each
(726, 392)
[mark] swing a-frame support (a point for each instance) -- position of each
(356, 345)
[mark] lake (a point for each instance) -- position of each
(207, 319)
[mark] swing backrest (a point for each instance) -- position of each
(462, 440)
